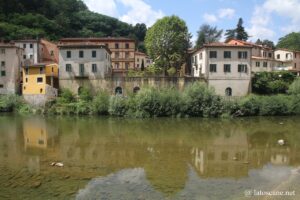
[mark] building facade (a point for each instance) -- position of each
(11, 60)
(142, 61)
(87, 62)
(122, 51)
(40, 83)
(38, 51)
(226, 67)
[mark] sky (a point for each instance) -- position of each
(264, 19)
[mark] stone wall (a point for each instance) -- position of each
(125, 83)
(39, 100)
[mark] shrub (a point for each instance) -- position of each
(249, 106)
(275, 105)
(66, 96)
(118, 106)
(201, 101)
(294, 88)
(85, 94)
(101, 103)
(83, 107)
(9, 103)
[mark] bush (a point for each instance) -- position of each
(101, 103)
(118, 106)
(249, 106)
(294, 88)
(66, 96)
(85, 94)
(277, 105)
(201, 101)
(10, 103)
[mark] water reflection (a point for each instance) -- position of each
(150, 159)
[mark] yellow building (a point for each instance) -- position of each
(40, 83)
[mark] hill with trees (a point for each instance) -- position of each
(54, 19)
(290, 41)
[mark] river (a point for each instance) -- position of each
(117, 158)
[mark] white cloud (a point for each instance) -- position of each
(226, 13)
(140, 12)
(106, 7)
(210, 18)
(261, 21)
(136, 11)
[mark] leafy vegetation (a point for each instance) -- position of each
(54, 19)
(272, 82)
(267, 43)
(207, 34)
(237, 33)
(167, 42)
(290, 41)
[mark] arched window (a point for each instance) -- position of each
(136, 89)
(118, 91)
(228, 92)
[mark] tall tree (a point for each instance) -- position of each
(237, 33)
(167, 42)
(143, 65)
(208, 34)
(290, 41)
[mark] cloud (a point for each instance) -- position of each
(136, 11)
(140, 12)
(226, 13)
(106, 7)
(262, 18)
(210, 18)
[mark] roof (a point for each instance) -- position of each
(250, 43)
(8, 45)
(40, 64)
(285, 49)
(83, 45)
(220, 44)
(103, 39)
(140, 53)
(29, 40)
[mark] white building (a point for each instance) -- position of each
(142, 59)
(83, 64)
(226, 67)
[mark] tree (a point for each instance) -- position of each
(167, 42)
(290, 41)
(267, 43)
(208, 34)
(237, 33)
(140, 31)
(143, 65)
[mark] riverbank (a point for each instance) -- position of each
(196, 100)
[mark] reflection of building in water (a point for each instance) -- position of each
(224, 156)
(38, 134)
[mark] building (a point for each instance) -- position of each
(83, 64)
(262, 59)
(122, 51)
(38, 51)
(11, 60)
(142, 59)
(226, 67)
(40, 83)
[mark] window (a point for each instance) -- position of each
(26, 80)
(106, 45)
(265, 64)
(138, 60)
(2, 51)
(243, 54)
(213, 68)
(212, 54)
(278, 56)
(81, 69)
(39, 80)
(26, 71)
(228, 92)
(1, 86)
(31, 56)
(3, 73)
(68, 67)
(31, 46)
(2, 63)
(127, 46)
(126, 66)
(81, 54)
(94, 54)
(118, 91)
(295, 65)
(41, 90)
(51, 53)
(227, 68)
(138, 65)
(69, 54)
(126, 54)
(242, 68)
(94, 68)
(117, 66)
(24, 46)
(136, 89)
(227, 54)
(270, 55)
(257, 64)
(286, 55)
(117, 55)
(41, 70)
(201, 56)
(264, 54)
(116, 46)
(24, 56)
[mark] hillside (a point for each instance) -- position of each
(54, 19)
(290, 41)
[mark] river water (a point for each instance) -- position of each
(117, 158)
